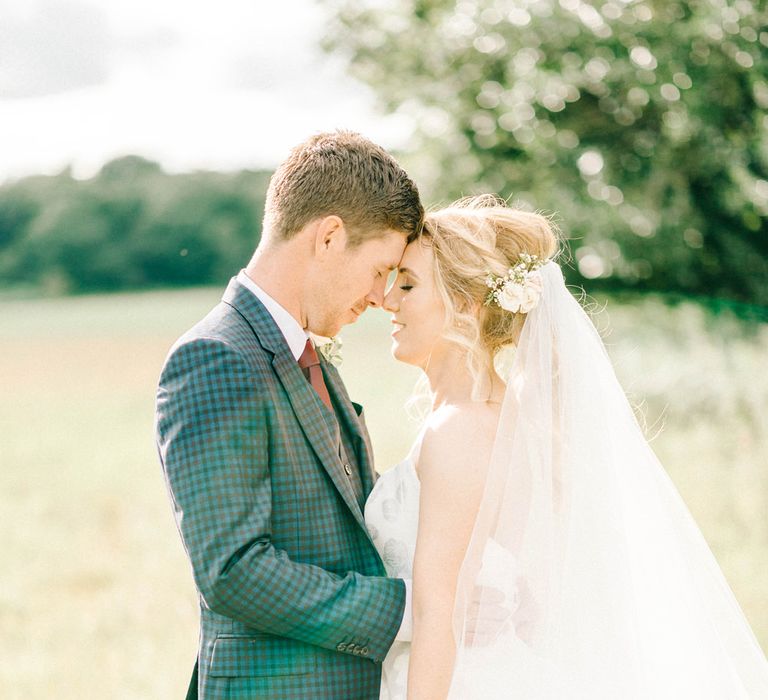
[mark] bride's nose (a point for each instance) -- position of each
(391, 302)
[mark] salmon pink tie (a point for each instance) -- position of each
(310, 365)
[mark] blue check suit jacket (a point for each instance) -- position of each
(294, 599)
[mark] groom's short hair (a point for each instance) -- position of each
(345, 174)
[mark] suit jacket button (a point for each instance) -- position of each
(348, 469)
(341, 647)
(357, 650)
(364, 651)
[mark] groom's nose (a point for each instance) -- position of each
(376, 296)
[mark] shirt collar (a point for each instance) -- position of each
(294, 334)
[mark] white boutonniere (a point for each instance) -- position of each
(329, 348)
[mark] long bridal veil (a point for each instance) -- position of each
(614, 592)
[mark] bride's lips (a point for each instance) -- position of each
(397, 327)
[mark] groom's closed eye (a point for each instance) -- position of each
(387, 270)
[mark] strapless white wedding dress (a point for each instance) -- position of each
(392, 518)
(508, 669)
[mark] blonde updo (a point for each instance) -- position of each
(469, 239)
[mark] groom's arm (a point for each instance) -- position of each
(213, 442)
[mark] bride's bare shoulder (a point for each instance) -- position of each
(458, 440)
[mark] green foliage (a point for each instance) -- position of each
(641, 124)
(132, 225)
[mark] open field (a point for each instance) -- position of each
(96, 600)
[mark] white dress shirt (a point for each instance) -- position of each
(294, 334)
(296, 337)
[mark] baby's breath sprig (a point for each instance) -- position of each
(519, 290)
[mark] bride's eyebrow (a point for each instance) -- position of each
(407, 271)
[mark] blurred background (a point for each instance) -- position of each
(136, 145)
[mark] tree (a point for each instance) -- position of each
(642, 125)
(132, 225)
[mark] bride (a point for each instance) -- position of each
(536, 487)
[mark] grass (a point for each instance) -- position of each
(96, 598)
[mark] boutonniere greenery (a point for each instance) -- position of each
(329, 348)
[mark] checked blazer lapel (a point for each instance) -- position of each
(363, 449)
(308, 409)
(306, 405)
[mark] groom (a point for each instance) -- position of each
(267, 461)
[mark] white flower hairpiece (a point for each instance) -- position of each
(520, 289)
(329, 348)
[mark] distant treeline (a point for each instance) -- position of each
(133, 226)
(130, 226)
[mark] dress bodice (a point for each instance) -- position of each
(392, 518)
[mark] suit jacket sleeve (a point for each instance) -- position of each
(213, 442)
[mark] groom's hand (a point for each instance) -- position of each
(492, 613)
(489, 616)
(527, 611)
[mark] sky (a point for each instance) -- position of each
(191, 84)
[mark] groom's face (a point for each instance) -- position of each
(355, 280)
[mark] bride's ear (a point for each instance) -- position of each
(470, 306)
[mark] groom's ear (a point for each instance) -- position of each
(330, 235)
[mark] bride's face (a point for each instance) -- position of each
(418, 314)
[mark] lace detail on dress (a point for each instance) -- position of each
(392, 518)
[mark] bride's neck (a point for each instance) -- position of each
(450, 382)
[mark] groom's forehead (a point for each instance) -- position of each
(391, 249)
(383, 260)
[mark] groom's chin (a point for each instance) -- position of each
(348, 319)
(329, 328)
(332, 328)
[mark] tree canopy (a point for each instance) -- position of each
(132, 225)
(641, 126)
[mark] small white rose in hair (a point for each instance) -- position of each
(511, 297)
(520, 289)
(532, 291)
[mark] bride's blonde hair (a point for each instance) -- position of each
(469, 239)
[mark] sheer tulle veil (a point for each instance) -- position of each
(614, 590)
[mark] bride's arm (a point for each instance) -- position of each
(451, 470)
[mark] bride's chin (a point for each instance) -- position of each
(397, 352)
(403, 357)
